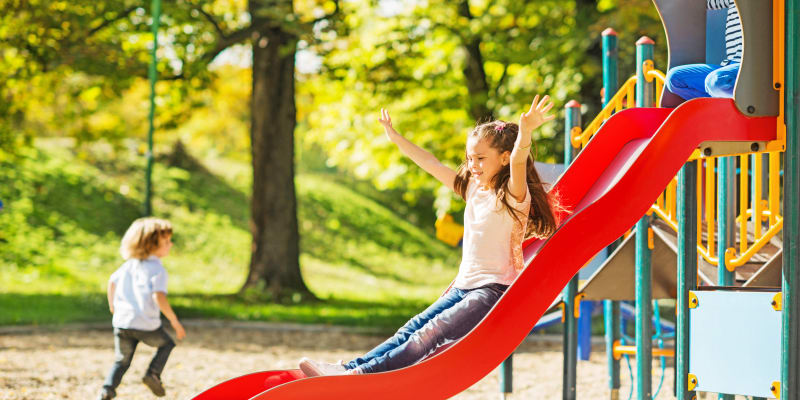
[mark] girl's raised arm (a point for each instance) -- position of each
(421, 157)
(535, 117)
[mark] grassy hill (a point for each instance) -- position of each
(66, 208)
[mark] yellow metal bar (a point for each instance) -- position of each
(615, 104)
(631, 96)
(710, 202)
(699, 196)
(757, 194)
(672, 191)
(774, 183)
(744, 168)
(757, 245)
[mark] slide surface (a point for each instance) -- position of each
(608, 187)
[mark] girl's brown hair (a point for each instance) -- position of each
(501, 136)
(143, 237)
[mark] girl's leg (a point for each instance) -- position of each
(721, 82)
(450, 325)
(445, 302)
(688, 81)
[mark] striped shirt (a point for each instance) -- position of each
(733, 30)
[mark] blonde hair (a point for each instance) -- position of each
(143, 237)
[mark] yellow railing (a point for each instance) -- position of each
(752, 236)
(624, 98)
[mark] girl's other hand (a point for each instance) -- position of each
(386, 121)
(536, 116)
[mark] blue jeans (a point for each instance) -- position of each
(125, 341)
(446, 320)
(702, 80)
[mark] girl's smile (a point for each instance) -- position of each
(484, 161)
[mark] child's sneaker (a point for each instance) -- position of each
(317, 368)
(153, 382)
(107, 394)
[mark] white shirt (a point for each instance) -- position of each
(136, 281)
(492, 246)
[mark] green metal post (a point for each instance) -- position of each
(790, 343)
(153, 75)
(644, 298)
(611, 314)
(572, 119)
(687, 273)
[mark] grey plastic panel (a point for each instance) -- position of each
(754, 94)
(685, 27)
(715, 36)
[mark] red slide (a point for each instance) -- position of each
(608, 187)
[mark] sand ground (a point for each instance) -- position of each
(71, 362)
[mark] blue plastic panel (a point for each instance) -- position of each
(735, 342)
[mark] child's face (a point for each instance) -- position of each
(484, 161)
(164, 245)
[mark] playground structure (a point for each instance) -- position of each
(736, 334)
(733, 344)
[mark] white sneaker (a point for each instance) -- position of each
(318, 368)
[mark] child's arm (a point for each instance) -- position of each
(535, 117)
(421, 157)
(112, 287)
(163, 304)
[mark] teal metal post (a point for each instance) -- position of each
(644, 299)
(687, 272)
(572, 120)
(153, 75)
(724, 221)
(790, 343)
(611, 314)
(725, 226)
(507, 376)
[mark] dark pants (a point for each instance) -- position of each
(125, 341)
(446, 320)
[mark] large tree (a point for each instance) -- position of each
(106, 44)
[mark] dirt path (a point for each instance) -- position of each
(71, 363)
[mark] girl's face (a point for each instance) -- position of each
(484, 161)
(164, 245)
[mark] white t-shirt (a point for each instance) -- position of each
(492, 245)
(136, 281)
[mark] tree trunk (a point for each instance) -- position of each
(474, 74)
(274, 263)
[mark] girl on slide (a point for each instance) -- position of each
(506, 202)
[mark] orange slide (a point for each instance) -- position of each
(608, 187)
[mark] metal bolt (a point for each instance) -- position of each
(772, 388)
(774, 303)
(777, 85)
(707, 151)
(751, 109)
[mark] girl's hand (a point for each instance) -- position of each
(536, 116)
(386, 121)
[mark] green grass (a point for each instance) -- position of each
(66, 209)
